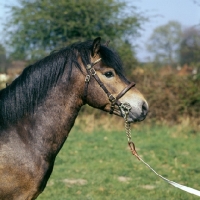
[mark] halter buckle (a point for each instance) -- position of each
(111, 98)
(87, 78)
(92, 71)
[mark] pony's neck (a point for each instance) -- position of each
(57, 117)
(52, 121)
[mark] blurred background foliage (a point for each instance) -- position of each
(38, 27)
(170, 81)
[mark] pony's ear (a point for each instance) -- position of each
(96, 46)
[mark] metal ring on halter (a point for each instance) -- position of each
(87, 78)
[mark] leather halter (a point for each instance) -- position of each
(114, 100)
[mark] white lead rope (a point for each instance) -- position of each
(125, 109)
(177, 185)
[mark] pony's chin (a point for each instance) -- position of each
(132, 116)
(135, 117)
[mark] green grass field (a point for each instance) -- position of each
(97, 165)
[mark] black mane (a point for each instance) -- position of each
(23, 95)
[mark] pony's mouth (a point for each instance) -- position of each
(130, 113)
(133, 115)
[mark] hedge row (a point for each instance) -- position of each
(171, 96)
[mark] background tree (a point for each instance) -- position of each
(164, 43)
(3, 60)
(40, 26)
(190, 46)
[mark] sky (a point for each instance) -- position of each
(160, 12)
(187, 12)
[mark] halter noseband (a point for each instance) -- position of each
(114, 100)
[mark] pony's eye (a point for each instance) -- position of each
(109, 74)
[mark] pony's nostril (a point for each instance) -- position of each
(144, 108)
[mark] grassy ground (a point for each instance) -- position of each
(97, 165)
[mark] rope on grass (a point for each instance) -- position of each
(134, 152)
(177, 185)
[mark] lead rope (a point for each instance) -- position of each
(134, 152)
